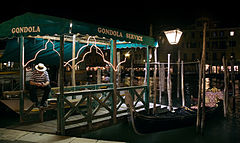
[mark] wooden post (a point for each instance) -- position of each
(119, 68)
(114, 62)
(132, 68)
(163, 82)
(169, 85)
(233, 82)
(73, 62)
(89, 117)
(225, 95)
(201, 92)
(203, 66)
(148, 81)
(155, 80)
(21, 104)
(182, 85)
(60, 111)
(111, 61)
(160, 83)
(199, 98)
(178, 74)
(99, 76)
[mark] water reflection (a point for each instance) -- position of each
(218, 129)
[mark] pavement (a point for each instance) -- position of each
(13, 136)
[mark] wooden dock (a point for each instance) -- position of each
(85, 107)
(80, 128)
(10, 135)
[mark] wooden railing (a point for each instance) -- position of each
(99, 104)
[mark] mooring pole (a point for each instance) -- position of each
(169, 85)
(199, 99)
(178, 74)
(182, 84)
(201, 92)
(225, 97)
(160, 83)
(203, 66)
(233, 82)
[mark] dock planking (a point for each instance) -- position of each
(51, 126)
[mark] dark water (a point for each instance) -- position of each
(217, 130)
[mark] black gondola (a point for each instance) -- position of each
(165, 120)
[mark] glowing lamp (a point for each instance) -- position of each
(231, 33)
(173, 36)
(127, 54)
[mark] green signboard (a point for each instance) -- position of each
(38, 24)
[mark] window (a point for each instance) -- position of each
(185, 57)
(207, 34)
(232, 43)
(201, 34)
(214, 44)
(193, 35)
(222, 45)
(214, 56)
(214, 34)
(193, 56)
(221, 33)
(193, 45)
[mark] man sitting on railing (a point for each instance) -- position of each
(40, 80)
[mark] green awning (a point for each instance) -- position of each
(31, 24)
(32, 46)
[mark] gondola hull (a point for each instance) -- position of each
(147, 123)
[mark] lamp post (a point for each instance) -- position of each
(173, 37)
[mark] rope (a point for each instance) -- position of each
(132, 120)
(130, 109)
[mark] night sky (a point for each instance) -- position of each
(127, 15)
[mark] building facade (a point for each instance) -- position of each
(219, 42)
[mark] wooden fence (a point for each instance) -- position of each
(94, 104)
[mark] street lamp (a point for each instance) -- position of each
(173, 37)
